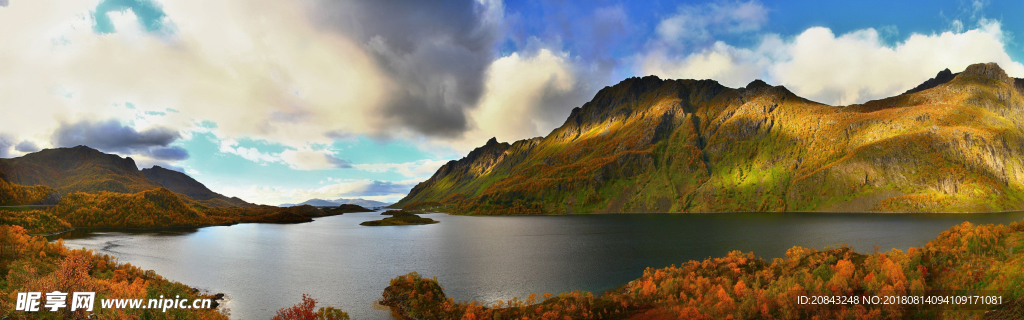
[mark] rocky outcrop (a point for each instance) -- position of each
(989, 70)
(943, 77)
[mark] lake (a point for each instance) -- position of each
(265, 267)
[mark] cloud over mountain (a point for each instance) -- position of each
(111, 136)
(26, 146)
(843, 69)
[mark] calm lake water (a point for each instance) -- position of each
(265, 267)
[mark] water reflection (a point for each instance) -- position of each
(265, 267)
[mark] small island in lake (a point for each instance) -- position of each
(345, 208)
(399, 218)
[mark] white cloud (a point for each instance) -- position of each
(302, 158)
(252, 154)
(845, 69)
(277, 77)
(307, 159)
(731, 66)
(514, 103)
(384, 191)
(701, 23)
(421, 169)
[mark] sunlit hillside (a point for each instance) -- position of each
(653, 145)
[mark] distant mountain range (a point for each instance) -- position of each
(954, 143)
(337, 202)
(83, 169)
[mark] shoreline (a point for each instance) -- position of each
(50, 234)
(171, 228)
(717, 212)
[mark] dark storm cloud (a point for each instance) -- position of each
(168, 153)
(437, 52)
(27, 146)
(111, 136)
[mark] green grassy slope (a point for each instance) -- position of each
(652, 145)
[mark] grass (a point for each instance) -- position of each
(953, 148)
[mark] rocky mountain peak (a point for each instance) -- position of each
(944, 74)
(758, 83)
(988, 70)
(940, 78)
(492, 141)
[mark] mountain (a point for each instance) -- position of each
(653, 145)
(337, 202)
(147, 209)
(184, 184)
(943, 77)
(12, 194)
(91, 189)
(362, 202)
(83, 169)
(78, 169)
(313, 202)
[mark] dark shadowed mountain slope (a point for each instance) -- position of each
(12, 194)
(83, 169)
(943, 77)
(183, 184)
(78, 169)
(653, 145)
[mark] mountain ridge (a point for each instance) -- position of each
(184, 184)
(84, 169)
(77, 169)
(337, 202)
(653, 145)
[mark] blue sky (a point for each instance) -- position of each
(284, 101)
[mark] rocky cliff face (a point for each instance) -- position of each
(955, 143)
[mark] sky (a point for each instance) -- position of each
(284, 101)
